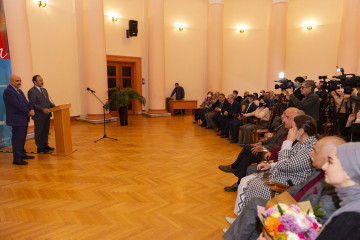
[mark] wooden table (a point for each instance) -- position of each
(182, 104)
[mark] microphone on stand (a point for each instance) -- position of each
(90, 90)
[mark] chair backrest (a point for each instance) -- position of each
(243, 106)
(271, 117)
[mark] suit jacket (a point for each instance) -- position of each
(39, 102)
(310, 104)
(233, 108)
(276, 139)
(251, 107)
(17, 107)
(224, 107)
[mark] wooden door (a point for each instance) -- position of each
(121, 74)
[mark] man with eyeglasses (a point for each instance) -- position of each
(310, 103)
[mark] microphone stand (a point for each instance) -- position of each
(105, 136)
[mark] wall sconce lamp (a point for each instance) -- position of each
(180, 26)
(241, 29)
(309, 27)
(42, 3)
(115, 19)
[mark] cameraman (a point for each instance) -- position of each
(296, 90)
(342, 106)
(355, 98)
(323, 95)
(310, 104)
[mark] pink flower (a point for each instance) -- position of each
(281, 228)
(315, 191)
(315, 226)
(301, 236)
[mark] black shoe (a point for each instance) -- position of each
(27, 157)
(208, 128)
(232, 188)
(42, 150)
(20, 162)
(224, 136)
(234, 140)
(202, 125)
(242, 145)
(49, 148)
(217, 130)
(194, 122)
(230, 139)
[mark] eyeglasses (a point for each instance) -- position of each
(302, 87)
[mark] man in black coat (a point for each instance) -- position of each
(311, 102)
(233, 108)
(297, 90)
(18, 113)
(39, 99)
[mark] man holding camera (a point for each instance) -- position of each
(311, 102)
(297, 90)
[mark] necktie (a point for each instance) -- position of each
(43, 93)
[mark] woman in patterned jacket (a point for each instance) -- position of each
(293, 166)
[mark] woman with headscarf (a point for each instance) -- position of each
(343, 172)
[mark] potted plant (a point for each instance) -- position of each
(120, 99)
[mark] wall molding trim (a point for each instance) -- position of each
(279, 1)
(216, 1)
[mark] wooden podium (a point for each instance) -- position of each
(62, 129)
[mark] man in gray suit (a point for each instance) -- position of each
(39, 99)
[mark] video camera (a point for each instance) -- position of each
(346, 81)
(284, 84)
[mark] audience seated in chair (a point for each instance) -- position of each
(252, 153)
(262, 113)
(225, 120)
(237, 123)
(292, 167)
(204, 107)
(247, 225)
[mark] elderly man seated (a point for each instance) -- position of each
(251, 153)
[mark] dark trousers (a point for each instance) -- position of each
(342, 119)
(202, 115)
(244, 160)
(217, 120)
(225, 125)
(41, 132)
(197, 111)
(234, 128)
(18, 141)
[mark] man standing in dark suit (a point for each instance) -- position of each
(18, 113)
(180, 95)
(39, 99)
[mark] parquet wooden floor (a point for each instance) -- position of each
(158, 181)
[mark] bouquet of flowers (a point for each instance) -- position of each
(290, 222)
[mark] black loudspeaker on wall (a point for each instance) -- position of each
(133, 29)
